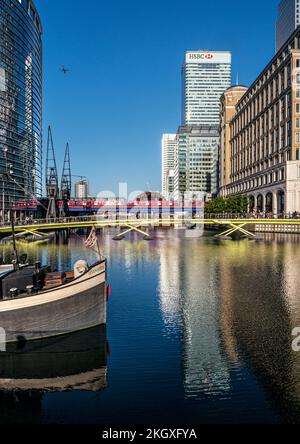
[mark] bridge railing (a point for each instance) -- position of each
(58, 220)
(132, 217)
(69, 220)
(233, 216)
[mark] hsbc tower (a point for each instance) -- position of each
(206, 75)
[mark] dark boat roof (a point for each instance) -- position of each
(46, 291)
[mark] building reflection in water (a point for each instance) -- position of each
(189, 300)
(260, 306)
(169, 286)
(236, 304)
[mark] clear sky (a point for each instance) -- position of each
(124, 86)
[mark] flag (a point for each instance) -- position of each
(92, 239)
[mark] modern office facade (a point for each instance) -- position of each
(264, 143)
(20, 100)
(196, 160)
(205, 76)
(168, 149)
(287, 22)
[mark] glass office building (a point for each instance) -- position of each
(196, 160)
(206, 75)
(287, 22)
(20, 101)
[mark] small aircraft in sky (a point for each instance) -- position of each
(64, 70)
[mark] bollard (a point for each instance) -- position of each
(2, 340)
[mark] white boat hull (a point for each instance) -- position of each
(75, 306)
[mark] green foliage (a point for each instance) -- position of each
(232, 204)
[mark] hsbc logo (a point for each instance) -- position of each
(202, 56)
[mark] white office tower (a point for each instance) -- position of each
(287, 22)
(81, 189)
(206, 75)
(168, 146)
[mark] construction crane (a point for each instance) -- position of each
(66, 183)
(80, 177)
(51, 179)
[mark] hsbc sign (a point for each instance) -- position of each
(208, 57)
(198, 56)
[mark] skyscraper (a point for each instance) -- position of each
(20, 100)
(287, 22)
(168, 147)
(205, 75)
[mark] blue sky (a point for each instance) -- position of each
(124, 87)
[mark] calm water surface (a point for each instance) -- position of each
(199, 331)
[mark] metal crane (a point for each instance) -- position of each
(51, 178)
(66, 183)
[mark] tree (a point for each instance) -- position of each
(232, 204)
